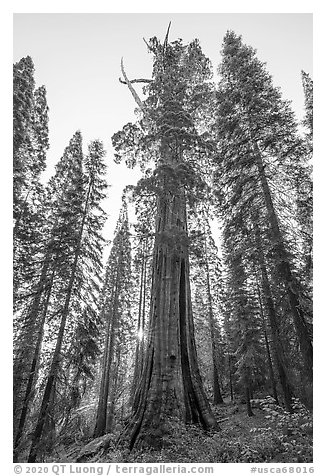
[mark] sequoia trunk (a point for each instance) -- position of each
(170, 384)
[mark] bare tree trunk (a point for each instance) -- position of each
(249, 408)
(170, 385)
(29, 348)
(269, 358)
(230, 378)
(33, 370)
(278, 350)
(26, 348)
(101, 416)
(270, 366)
(112, 396)
(214, 337)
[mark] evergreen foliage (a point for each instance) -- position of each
(185, 328)
(259, 151)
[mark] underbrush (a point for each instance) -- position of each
(271, 435)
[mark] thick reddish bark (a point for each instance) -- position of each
(171, 385)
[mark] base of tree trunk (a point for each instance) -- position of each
(155, 437)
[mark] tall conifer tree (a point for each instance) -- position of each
(256, 129)
(78, 223)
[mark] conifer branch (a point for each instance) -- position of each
(141, 80)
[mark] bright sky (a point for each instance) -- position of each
(77, 57)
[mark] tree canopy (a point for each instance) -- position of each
(200, 318)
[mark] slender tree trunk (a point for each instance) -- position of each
(274, 326)
(249, 408)
(101, 416)
(230, 378)
(170, 385)
(100, 423)
(216, 384)
(218, 399)
(270, 366)
(286, 272)
(37, 350)
(33, 369)
(55, 364)
(28, 347)
(30, 323)
(138, 356)
(269, 358)
(112, 397)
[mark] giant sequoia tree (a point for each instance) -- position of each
(170, 385)
(230, 152)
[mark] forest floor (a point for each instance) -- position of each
(271, 435)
